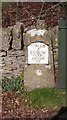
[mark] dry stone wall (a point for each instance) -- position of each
(12, 63)
(12, 52)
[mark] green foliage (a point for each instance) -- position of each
(48, 97)
(41, 97)
(15, 84)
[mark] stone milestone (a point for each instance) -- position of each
(39, 69)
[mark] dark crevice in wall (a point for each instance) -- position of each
(22, 42)
(10, 39)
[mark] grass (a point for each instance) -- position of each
(41, 97)
(14, 84)
(46, 97)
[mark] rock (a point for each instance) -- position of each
(17, 36)
(0, 38)
(5, 38)
(39, 73)
(3, 53)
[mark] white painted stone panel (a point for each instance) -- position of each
(38, 53)
(34, 32)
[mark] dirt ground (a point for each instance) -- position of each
(14, 106)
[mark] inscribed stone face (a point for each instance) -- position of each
(38, 53)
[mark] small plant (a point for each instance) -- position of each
(14, 84)
(46, 97)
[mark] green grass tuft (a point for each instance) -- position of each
(46, 97)
(15, 84)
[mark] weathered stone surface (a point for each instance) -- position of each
(5, 38)
(45, 38)
(55, 36)
(15, 53)
(56, 56)
(17, 36)
(39, 75)
(33, 80)
(40, 24)
(8, 75)
(13, 61)
(3, 53)
(0, 38)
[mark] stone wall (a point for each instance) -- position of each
(12, 52)
(12, 63)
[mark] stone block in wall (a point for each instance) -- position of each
(55, 30)
(55, 56)
(3, 53)
(7, 71)
(40, 24)
(55, 33)
(0, 38)
(20, 53)
(1, 72)
(20, 59)
(55, 42)
(9, 59)
(17, 36)
(8, 75)
(15, 53)
(5, 38)
(2, 65)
